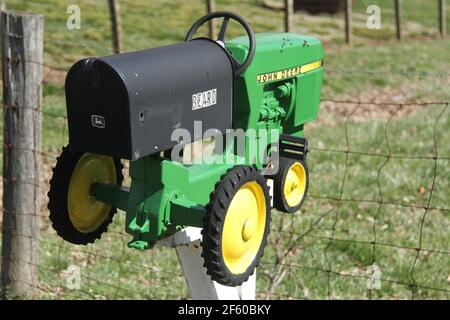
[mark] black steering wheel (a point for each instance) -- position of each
(239, 68)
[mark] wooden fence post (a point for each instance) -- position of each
(211, 7)
(22, 35)
(116, 25)
(398, 19)
(442, 19)
(2, 8)
(288, 15)
(348, 21)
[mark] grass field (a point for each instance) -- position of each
(159, 22)
(301, 261)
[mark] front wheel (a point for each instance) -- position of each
(290, 185)
(76, 216)
(236, 226)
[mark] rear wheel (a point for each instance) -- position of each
(236, 226)
(290, 185)
(76, 216)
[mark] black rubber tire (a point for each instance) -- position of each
(214, 219)
(57, 204)
(279, 201)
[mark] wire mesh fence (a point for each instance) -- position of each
(371, 268)
(375, 223)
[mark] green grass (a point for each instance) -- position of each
(156, 23)
(159, 22)
(315, 267)
(415, 66)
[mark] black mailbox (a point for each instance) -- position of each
(128, 105)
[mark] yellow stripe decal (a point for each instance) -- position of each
(288, 73)
(311, 66)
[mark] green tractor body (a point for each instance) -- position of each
(281, 87)
(274, 92)
(278, 91)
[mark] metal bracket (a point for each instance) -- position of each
(145, 227)
(293, 147)
(138, 244)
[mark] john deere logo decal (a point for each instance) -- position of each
(98, 121)
(288, 73)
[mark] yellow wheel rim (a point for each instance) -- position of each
(85, 213)
(295, 184)
(244, 226)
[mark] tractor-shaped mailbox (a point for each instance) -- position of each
(127, 106)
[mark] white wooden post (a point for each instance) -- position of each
(187, 245)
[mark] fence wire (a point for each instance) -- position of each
(304, 259)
